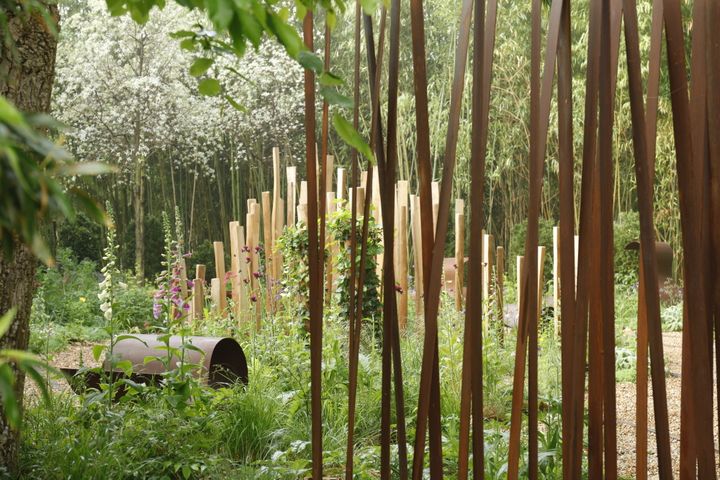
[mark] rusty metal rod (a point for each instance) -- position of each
(315, 259)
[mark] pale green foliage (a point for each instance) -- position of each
(27, 363)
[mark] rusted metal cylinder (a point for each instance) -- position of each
(222, 360)
(663, 256)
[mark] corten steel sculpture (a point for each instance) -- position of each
(587, 312)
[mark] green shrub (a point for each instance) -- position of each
(70, 290)
(83, 238)
(134, 306)
(517, 245)
(672, 318)
(627, 229)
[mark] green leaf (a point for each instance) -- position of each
(220, 13)
(200, 66)
(182, 34)
(310, 61)
(330, 79)
(252, 29)
(91, 207)
(352, 137)
(97, 350)
(301, 9)
(210, 87)
(7, 393)
(331, 19)
(188, 44)
(150, 359)
(126, 366)
(120, 338)
(333, 97)
(6, 321)
(286, 35)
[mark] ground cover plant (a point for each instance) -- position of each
(260, 430)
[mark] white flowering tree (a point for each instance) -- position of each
(131, 100)
(125, 91)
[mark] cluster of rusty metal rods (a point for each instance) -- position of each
(586, 301)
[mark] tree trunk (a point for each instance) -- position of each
(26, 78)
(139, 204)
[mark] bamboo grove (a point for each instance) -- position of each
(587, 313)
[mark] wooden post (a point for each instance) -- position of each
(577, 251)
(359, 199)
(291, 208)
(240, 269)
(402, 267)
(402, 194)
(291, 174)
(302, 213)
(500, 283)
(235, 256)
(220, 275)
(277, 216)
(363, 178)
(520, 272)
(435, 189)
(278, 260)
(216, 295)
(268, 241)
(341, 183)
(556, 281)
(541, 282)
(520, 263)
(255, 262)
(377, 215)
(332, 247)
(329, 166)
(487, 251)
(277, 220)
(459, 252)
(198, 293)
(183, 277)
(250, 226)
(303, 192)
(417, 254)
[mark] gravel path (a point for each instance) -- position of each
(626, 395)
(73, 356)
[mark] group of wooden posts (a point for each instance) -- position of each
(267, 220)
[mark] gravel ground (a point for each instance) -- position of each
(626, 395)
(73, 356)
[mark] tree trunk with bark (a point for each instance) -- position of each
(26, 78)
(139, 206)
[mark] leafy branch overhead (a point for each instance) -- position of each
(237, 24)
(30, 165)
